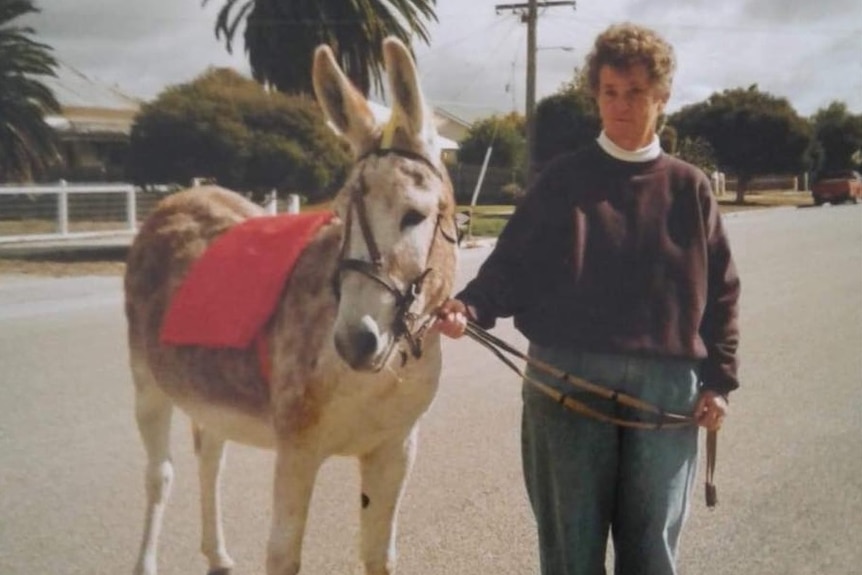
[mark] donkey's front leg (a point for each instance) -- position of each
(384, 474)
(295, 472)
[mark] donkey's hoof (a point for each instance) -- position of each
(220, 571)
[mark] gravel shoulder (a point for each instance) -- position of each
(61, 269)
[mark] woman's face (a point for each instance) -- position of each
(629, 105)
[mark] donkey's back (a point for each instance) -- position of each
(222, 388)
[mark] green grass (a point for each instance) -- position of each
(766, 199)
(488, 221)
(488, 226)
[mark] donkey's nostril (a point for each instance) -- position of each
(366, 344)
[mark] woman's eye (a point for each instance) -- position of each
(412, 218)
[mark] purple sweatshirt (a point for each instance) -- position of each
(618, 257)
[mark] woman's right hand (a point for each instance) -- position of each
(452, 318)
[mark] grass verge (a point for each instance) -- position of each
(488, 221)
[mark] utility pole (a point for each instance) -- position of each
(529, 13)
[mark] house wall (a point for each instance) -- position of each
(94, 143)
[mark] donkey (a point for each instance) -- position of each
(352, 367)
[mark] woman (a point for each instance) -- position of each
(617, 269)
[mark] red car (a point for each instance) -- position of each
(837, 188)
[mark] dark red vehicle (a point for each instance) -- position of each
(837, 188)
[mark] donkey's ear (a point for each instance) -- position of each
(342, 103)
(409, 114)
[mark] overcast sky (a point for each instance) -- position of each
(807, 51)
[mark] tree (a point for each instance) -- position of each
(669, 139)
(507, 136)
(565, 121)
(697, 151)
(281, 35)
(751, 132)
(27, 143)
(838, 134)
(226, 126)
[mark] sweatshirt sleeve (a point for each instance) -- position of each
(523, 256)
(720, 325)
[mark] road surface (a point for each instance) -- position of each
(789, 467)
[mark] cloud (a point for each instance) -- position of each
(801, 11)
(805, 51)
(771, 12)
(139, 46)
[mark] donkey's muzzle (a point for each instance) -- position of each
(361, 346)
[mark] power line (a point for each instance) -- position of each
(524, 9)
(475, 77)
(529, 15)
(471, 35)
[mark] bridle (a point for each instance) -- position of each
(406, 323)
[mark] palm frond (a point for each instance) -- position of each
(280, 35)
(27, 142)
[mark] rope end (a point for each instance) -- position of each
(711, 495)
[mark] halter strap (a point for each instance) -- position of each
(405, 323)
(361, 211)
(404, 153)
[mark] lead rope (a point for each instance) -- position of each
(667, 420)
(711, 454)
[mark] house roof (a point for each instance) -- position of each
(87, 107)
(449, 115)
(466, 113)
(382, 113)
(75, 90)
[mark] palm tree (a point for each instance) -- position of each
(280, 35)
(27, 143)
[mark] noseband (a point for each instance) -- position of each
(404, 325)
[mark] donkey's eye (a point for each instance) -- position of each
(412, 218)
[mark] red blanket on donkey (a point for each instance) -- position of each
(231, 291)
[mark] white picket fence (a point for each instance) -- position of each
(48, 212)
(34, 213)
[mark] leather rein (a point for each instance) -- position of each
(661, 419)
(406, 324)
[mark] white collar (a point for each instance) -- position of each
(649, 152)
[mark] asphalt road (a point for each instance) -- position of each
(789, 475)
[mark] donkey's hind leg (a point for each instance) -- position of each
(210, 452)
(153, 411)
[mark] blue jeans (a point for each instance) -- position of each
(586, 478)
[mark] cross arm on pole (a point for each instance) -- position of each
(550, 4)
(529, 14)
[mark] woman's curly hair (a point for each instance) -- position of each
(625, 45)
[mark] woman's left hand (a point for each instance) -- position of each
(452, 318)
(710, 410)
